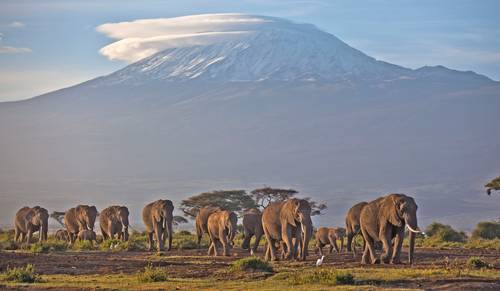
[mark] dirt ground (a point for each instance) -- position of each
(196, 264)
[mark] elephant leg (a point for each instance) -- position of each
(320, 248)
(271, 248)
(286, 236)
(398, 243)
(150, 241)
(333, 244)
(158, 229)
(257, 242)
(29, 236)
(342, 244)
(385, 236)
(369, 250)
(17, 234)
(266, 252)
(104, 235)
(247, 236)
(225, 243)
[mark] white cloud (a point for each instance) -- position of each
(16, 24)
(13, 50)
(141, 38)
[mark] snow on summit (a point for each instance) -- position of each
(235, 47)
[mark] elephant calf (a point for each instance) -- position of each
(221, 228)
(329, 236)
(29, 220)
(252, 226)
(87, 234)
(62, 234)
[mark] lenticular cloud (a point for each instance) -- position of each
(142, 38)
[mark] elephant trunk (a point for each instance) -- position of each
(43, 230)
(411, 223)
(307, 230)
(125, 228)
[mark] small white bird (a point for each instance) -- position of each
(111, 246)
(319, 262)
(251, 252)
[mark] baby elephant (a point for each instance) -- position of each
(62, 234)
(329, 236)
(87, 234)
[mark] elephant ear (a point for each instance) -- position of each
(391, 210)
(288, 211)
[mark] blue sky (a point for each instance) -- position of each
(46, 45)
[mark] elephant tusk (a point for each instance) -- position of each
(413, 230)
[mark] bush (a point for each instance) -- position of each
(83, 245)
(322, 276)
(152, 274)
(48, 246)
(22, 275)
(184, 232)
(477, 263)
(487, 230)
(446, 233)
(251, 264)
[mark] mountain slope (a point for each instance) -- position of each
(284, 105)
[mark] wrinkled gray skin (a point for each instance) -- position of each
(329, 236)
(114, 221)
(222, 226)
(87, 234)
(157, 217)
(384, 220)
(29, 220)
(252, 226)
(352, 225)
(62, 234)
(288, 221)
(202, 219)
(81, 217)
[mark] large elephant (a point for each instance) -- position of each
(81, 217)
(352, 225)
(222, 226)
(29, 220)
(288, 221)
(202, 219)
(157, 217)
(385, 219)
(114, 220)
(252, 226)
(329, 236)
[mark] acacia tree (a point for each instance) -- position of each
(233, 200)
(266, 195)
(493, 185)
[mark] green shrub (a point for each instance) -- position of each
(184, 244)
(83, 245)
(47, 246)
(251, 264)
(22, 274)
(322, 276)
(493, 244)
(445, 233)
(487, 230)
(477, 263)
(152, 274)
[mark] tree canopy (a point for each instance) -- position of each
(493, 185)
(266, 195)
(233, 200)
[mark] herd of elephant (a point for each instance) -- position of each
(286, 225)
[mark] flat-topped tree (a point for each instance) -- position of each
(266, 195)
(493, 185)
(233, 200)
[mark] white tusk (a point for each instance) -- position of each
(412, 230)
